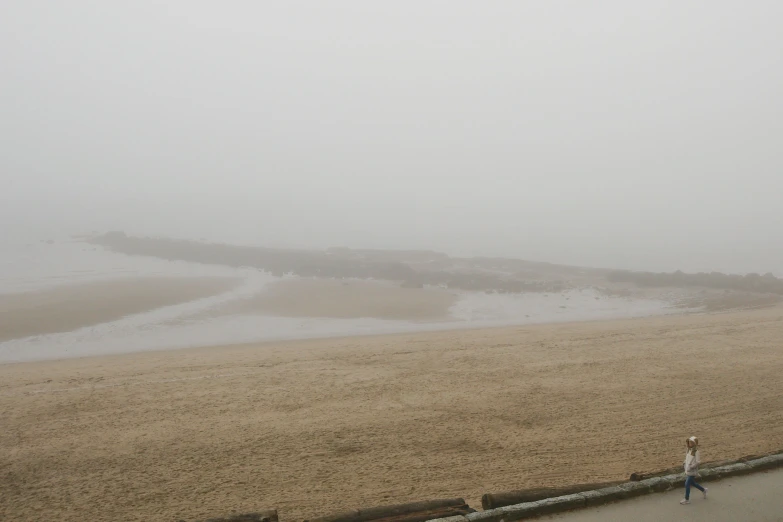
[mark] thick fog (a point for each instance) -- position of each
(621, 134)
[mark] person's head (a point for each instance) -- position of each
(692, 443)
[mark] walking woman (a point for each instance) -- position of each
(692, 460)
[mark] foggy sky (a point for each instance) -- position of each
(622, 134)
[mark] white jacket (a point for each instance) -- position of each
(692, 463)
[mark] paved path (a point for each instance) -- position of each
(751, 498)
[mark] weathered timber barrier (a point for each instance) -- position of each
(411, 512)
(534, 502)
(621, 491)
(521, 496)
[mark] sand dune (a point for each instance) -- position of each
(319, 426)
(67, 308)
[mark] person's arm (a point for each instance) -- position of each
(691, 461)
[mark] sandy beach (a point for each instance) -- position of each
(345, 300)
(69, 307)
(326, 258)
(313, 427)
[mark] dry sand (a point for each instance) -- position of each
(345, 300)
(320, 426)
(69, 307)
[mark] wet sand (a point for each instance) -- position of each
(69, 307)
(347, 299)
(143, 314)
(312, 427)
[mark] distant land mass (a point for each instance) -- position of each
(419, 268)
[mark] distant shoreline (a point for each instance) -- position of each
(102, 311)
(120, 316)
(418, 268)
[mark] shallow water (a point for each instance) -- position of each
(30, 266)
(34, 265)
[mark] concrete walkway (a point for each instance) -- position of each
(751, 498)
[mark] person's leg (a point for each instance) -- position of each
(688, 482)
(695, 484)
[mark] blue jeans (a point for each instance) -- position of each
(691, 481)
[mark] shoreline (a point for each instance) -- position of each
(69, 307)
(439, 329)
(136, 315)
(453, 327)
(106, 307)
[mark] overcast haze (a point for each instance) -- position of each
(625, 134)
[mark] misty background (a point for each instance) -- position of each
(610, 134)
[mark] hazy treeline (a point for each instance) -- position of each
(417, 268)
(432, 268)
(766, 283)
(278, 262)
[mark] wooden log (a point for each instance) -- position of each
(433, 514)
(412, 507)
(396, 510)
(521, 496)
